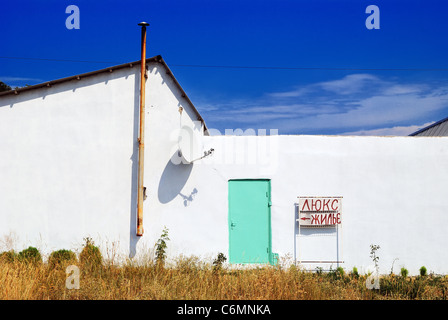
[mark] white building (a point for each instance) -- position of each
(69, 161)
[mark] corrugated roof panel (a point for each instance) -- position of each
(444, 129)
(438, 129)
(431, 131)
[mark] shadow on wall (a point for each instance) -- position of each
(190, 197)
(173, 179)
(133, 238)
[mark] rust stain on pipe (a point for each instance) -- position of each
(141, 144)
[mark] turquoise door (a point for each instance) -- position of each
(250, 221)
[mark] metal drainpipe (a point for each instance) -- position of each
(141, 144)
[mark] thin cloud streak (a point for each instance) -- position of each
(357, 103)
(394, 131)
(12, 79)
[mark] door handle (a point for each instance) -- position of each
(232, 224)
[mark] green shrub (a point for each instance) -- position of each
(217, 263)
(404, 272)
(375, 258)
(355, 272)
(30, 254)
(319, 270)
(161, 248)
(336, 274)
(90, 256)
(60, 256)
(8, 256)
(423, 271)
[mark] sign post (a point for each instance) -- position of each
(319, 212)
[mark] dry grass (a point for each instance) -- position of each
(189, 278)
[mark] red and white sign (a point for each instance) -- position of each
(319, 211)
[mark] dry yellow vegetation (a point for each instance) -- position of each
(189, 278)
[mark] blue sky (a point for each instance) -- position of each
(310, 67)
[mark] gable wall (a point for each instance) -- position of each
(69, 158)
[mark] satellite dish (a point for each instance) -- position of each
(190, 144)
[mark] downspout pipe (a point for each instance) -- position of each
(141, 141)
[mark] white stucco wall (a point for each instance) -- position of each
(393, 189)
(68, 169)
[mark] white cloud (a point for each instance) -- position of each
(290, 94)
(349, 84)
(17, 79)
(405, 89)
(357, 103)
(384, 109)
(394, 131)
(14, 82)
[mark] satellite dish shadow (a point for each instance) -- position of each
(173, 179)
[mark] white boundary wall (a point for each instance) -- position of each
(68, 170)
(394, 193)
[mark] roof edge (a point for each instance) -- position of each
(157, 59)
(76, 77)
(184, 95)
